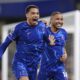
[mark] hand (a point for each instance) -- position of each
(51, 39)
(45, 21)
(64, 57)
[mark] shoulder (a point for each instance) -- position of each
(48, 27)
(20, 25)
(40, 23)
(63, 30)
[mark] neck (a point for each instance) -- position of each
(54, 29)
(28, 22)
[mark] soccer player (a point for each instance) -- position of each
(52, 65)
(29, 38)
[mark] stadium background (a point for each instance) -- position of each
(12, 11)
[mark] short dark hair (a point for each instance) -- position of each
(29, 7)
(54, 13)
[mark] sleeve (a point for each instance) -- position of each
(66, 35)
(4, 45)
(12, 36)
(14, 33)
(46, 35)
(44, 31)
(62, 41)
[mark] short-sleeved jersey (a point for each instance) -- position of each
(51, 58)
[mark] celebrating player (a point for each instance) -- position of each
(29, 38)
(52, 65)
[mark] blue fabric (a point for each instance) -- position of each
(56, 51)
(4, 46)
(53, 75)
(22, 69)
(51, 58)
(29, 47)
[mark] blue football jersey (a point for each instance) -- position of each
(29, 42)
(53, 52)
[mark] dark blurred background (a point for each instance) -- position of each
(14, 10)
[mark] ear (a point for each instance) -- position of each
(26, 15)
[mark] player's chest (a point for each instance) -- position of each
(59, 36)
(30, 34)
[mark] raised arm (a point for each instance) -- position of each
(4, 45)
(12, 36)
